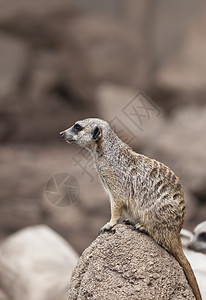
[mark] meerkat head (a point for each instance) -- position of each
(85, 133)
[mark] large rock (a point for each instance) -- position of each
(127, 265)
(35, 264)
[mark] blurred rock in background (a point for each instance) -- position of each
(36, 263)
(62, 61)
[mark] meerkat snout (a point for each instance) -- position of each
(71, 134)
(67, 136)
(61, 134)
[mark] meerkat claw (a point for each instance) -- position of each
(102, 230)
(140, 228)
(107, 227)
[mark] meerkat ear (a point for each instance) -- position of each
(96, 133)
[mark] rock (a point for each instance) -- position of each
(127, 265)
(35, 264)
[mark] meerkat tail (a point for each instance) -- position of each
(181, 258)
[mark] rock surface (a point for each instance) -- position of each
(127, 265)
(35, 264)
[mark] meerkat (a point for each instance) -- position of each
(142, 189)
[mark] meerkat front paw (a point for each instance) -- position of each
(107, 227)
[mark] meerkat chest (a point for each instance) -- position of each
(116, 178)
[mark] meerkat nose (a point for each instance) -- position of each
(62, 134)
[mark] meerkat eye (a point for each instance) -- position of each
(76, 128)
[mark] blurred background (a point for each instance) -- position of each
(61, 61)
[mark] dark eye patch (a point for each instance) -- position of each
(76, 128)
